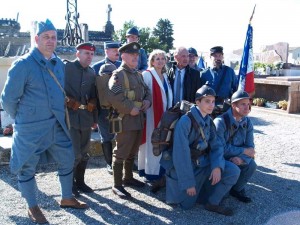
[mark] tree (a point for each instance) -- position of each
(164, 31)
(160, 38)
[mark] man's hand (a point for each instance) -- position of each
(249, 152)
(135, 111)
(145, 106)
(191, 191)
(215, 176)
(237, 161)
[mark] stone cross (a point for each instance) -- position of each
(109, 9)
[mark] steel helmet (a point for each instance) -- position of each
(132, 31)
(204, 91)
(238, 95)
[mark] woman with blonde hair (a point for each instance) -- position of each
(156, 79)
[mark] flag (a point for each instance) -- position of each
(200, 63)
(246, 73)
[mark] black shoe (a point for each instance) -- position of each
(133, 182)
(135, 167)
(240, 195)
(109, 169)
(121, 192)
(75, 191)
(219, 209)
(84, 188)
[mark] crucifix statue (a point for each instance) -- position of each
(109, 9)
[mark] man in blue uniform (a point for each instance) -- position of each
(111, 57)
(33, 95)
(221, 77)
(235, 130)
(193, 58)
(132, 35)
(81, 93)
(197, 158)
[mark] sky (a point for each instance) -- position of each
(201, 24)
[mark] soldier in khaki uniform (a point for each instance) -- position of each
(130, 96)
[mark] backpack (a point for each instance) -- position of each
(103, 90)
(162, 136)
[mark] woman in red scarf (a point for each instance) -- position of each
(156, 79)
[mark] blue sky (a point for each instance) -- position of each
(198, 23)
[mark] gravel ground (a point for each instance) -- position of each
(275, 188)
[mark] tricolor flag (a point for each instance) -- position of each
(246, 73)
(200, 63)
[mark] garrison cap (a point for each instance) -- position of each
(107, 68)
(239, 95)
(216, 49)
(44, 26)
(86, 46)
(111, 44)
(192, 51)
(132, 47)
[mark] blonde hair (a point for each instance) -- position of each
(154, 53)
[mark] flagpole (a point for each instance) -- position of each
(252, 14)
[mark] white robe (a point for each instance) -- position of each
(146, 160)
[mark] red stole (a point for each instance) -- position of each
(157, 105)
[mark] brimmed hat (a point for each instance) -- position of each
(216, 49)
(111, 44)
(192, 51)
(132, 47)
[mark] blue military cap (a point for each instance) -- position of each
(44, 26)
(132, 47)
(111, 44)
(216, 49)
(192, 51)
(87, 46)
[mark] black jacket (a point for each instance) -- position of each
(191, 82)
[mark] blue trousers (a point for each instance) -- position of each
(60, 149)
(247, 171)
(103, 125)
(218, 191)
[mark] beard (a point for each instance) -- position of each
(217, 63)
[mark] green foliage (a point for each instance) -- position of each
(164, 31)
(160, 38)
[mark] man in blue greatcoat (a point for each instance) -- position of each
(221, 77)
(235, 131)
(37, 103)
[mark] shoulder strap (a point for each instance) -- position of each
(61, 88)
(197, 127)
(228, 126)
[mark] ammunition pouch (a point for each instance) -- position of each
(138, 104)
(130, 94)
(196, 153)
(91, 107)
(72, 103)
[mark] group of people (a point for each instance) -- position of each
(55, 104)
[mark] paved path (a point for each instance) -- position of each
(275, 188)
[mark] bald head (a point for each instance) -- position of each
(181, 56)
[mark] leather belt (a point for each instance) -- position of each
(82, 107)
